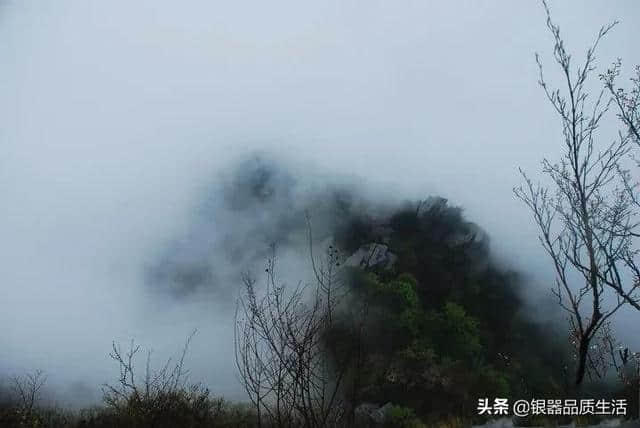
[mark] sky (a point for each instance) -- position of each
(119, 120)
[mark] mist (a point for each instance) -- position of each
(129, 133)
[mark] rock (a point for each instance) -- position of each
(363, 414)
(610, 423)
(380, 415)
(497, 423)
(372, 256)
(371, 415)
(508, 423)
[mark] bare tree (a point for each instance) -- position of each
(283, 355)
(605, 353)
(155, 386)
(626, 101)
(26, 389)
(586, 216)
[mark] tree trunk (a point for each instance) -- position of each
(583, 349)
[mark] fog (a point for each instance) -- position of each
(123, 126)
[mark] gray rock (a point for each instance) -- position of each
(508, 423)
(364, 414)
(371, 415)
(497, 423)
(371, 256)
(610, 423)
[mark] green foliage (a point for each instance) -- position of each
(448, 320)
(455, 334)
(441, 328)
(401, 417)
(181, 408)
(492, 383)
(400, 297)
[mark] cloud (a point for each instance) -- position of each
(120, 124)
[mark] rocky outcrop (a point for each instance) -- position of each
(372, 256)
(369, 415)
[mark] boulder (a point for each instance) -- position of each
(371, 415)
(372, 256)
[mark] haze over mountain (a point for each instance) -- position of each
(125, 127)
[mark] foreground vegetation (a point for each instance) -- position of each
(410, 320)
(428, 327)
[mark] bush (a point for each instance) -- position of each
(401, 417)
